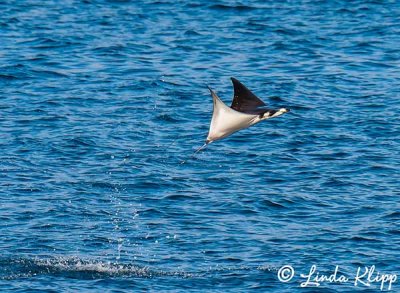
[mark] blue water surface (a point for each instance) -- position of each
(101, 101)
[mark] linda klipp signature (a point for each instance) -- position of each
(364, 276)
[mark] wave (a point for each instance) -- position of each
(75, 267)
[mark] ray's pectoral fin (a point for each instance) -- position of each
(243, 99)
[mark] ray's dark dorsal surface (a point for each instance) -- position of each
(244, 100)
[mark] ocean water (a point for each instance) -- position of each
(101, 101)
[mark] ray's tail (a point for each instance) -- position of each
(198, 150)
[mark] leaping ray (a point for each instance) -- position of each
(246, 110)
